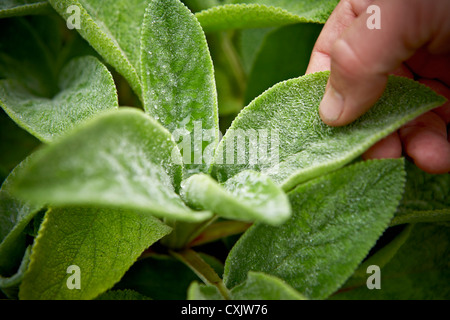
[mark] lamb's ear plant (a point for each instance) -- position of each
(148, 201)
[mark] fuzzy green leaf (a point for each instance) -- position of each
(424, 191)
(260, 286)
(315, 10)
(240, 16)
(426, 197)
(122, 295)
(380, 258)
(10, 285)
(15, 215)
(11, 8)
(103, 243)
(248, 196)
(264, 13)
(418, 271)
(199, 5)
(121, 159)
(113, 30)
(422, 216)
(197, 291)
(178, 78)
(87, 88)
(301, 146)
(41, 84)
(336, 219)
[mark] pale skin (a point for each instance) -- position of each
(414, 41)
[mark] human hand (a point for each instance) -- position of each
(413, 41)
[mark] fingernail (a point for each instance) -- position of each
(332, 105)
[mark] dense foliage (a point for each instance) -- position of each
(119, 184)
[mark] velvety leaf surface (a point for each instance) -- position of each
(260, 286)
(199, 5)
(113, 29)
(418, 271)
(301, 145)
(103, 243)
(11, 8)
(87, 88)
(10, 285)
(178, 78)
(198, 291)
(15, 215)
(239, 16)
(336, 220)
(381, 256)
(283, 54)
(426, 197)
(247, 196)
(316, 11)
(122, 295)
(264, 13)
(122, 159)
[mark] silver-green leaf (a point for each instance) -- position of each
(15, 215)
(301, 146)
(113, 30)
(248, 196)
(265, 13)
(122, 159)
(87, 88)
(419, 269)
(178, 86)
(426, 197)
(336, 220)
(260, 286)
(97, 246)
(13, 8)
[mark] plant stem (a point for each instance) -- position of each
(183, 232)
(203, 270)
(218, 231)
(234, 61)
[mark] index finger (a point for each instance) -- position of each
(341, 18)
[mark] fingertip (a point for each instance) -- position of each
(319, 62)
(331, 106)
(387, 148)
(429, 150)
(352, 88)
(444, 110)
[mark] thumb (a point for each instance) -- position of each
(363, 56)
